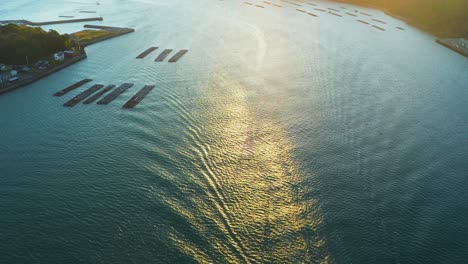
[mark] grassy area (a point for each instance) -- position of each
(89, 35)
(444, 18)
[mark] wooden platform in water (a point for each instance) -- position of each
(75, 100)
(97, 95)
(72, 87)
(380, 21)
(146, 52)
(378, 27)
(163, 55)
(114, 94)
(178, 55)
(138, 96)
(335, 14)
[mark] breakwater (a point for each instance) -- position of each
(54, 22)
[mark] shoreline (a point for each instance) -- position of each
(449, 43)
(116, 32)
(44, 74)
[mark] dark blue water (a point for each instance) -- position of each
(279, 138)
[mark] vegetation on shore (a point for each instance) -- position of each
(444, 18)
(90, 35)
(22, 44)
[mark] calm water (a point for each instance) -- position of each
(279, 138)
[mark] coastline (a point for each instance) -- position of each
(451, 44)
(439, 37)
(44, 74)
(116, 32)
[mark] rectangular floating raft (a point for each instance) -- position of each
(75, 100)
(112, 96)
(378, 27)
(178, 55)
(138, 96)
(380, 21)
(98, 94)
(163, 55)
(146, 52)
(72, 87)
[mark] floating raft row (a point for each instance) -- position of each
(163, 55)
(75, 100)
(380, 21)
(400, 28)
(146, 52)
(99, 94)
(378, 27)
(138, 96)
(334, 9)
(112, 96)
(72, 87)
(338, 15)
(364, 22)
(351, 14)
(178, 55)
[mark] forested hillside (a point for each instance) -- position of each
(19, 42)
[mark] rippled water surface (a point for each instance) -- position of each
(279, 138)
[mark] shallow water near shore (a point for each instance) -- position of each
(278, 138)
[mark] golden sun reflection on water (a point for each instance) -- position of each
(251, 208)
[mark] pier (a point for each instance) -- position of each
(138, 96)
(146, 52)
(115, 32)
(163, 55)
(178, 55)
(75, 100)
(98, 94)
(72, 87)
(114, 94)
(29, 23)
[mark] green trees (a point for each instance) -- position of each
(19, 44)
